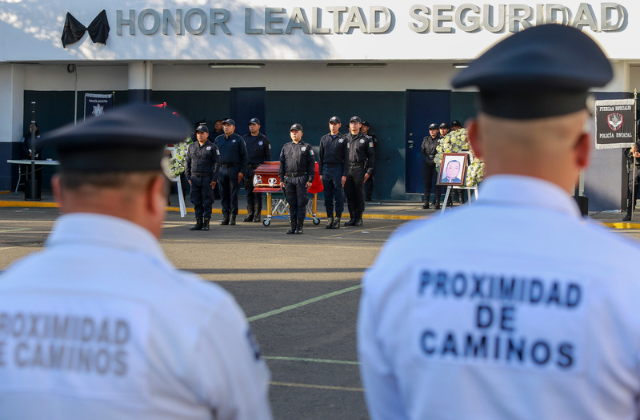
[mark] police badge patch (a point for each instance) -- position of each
(233, 141)
(304, 149)
(362, 141)
(218, 152)
(615, 121)
(370, 144)
(260, 143)
(208, 147)
(341, 141)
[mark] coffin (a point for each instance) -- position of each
(267, 180)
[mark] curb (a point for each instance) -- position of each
(320, 215)
(613, 225)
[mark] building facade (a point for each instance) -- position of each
(289, 61)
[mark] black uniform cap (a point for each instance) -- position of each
(254, 121)
(296, 127)
(444, 125)
(540, 72)
(128, 138)
(366, 123)
(356, 119)
(433, 126)
(456, 123)
(202, 128)
(335, 120)
(229, 121)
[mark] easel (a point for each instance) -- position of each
(448, 193)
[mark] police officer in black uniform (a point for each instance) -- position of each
(233, 163)
(297, 170)
(333, 167)
(201, 171)
(258, 151)
(361, 163)
(633, 158)
(429, 171)
(368, 185)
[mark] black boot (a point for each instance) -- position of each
(359, 220)
(329, 221)
(425, 205)
(299, 228)
(627, 218)
(352, 220)
(205, 225)
(198, 225)
(336, 221)
(225, 219)
(294, 226)
(437, 204)
(257, 214)
(249, 217)
(232, 222)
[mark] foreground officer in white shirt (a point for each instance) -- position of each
(100, 325)
(534, 315)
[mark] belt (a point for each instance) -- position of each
(229, 165)
(295, 174)
(356, 165)
(251, 166)
(332, 165)
(201, 174)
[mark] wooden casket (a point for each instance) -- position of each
(266, 178)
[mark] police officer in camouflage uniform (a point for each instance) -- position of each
(258, 151)
(233, 163)
(333, 167)
(201, 170)
(297, 170)
(361, 163)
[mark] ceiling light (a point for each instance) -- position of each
(356, 65)
(236, 65)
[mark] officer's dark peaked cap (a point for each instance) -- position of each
(335, 120)
(128, 138)
(229, 121)
(202, 129)
(444, 125)
(543, 71)
(296, 127)
(433, 126)
(254, 121)
(356, 119)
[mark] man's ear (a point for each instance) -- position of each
(57, 191)
(583, 150)
(157, 195)
(475, 140)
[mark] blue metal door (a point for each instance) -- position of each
(247, 103)
(423, 108)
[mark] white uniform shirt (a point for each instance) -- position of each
(100, 325)
(514, 308)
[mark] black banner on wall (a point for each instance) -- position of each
(615, 123)
(97, 104)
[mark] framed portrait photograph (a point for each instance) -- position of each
(453, 169)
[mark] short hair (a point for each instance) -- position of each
(73, 180)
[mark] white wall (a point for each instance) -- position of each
(31, 31)
(288, 76)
